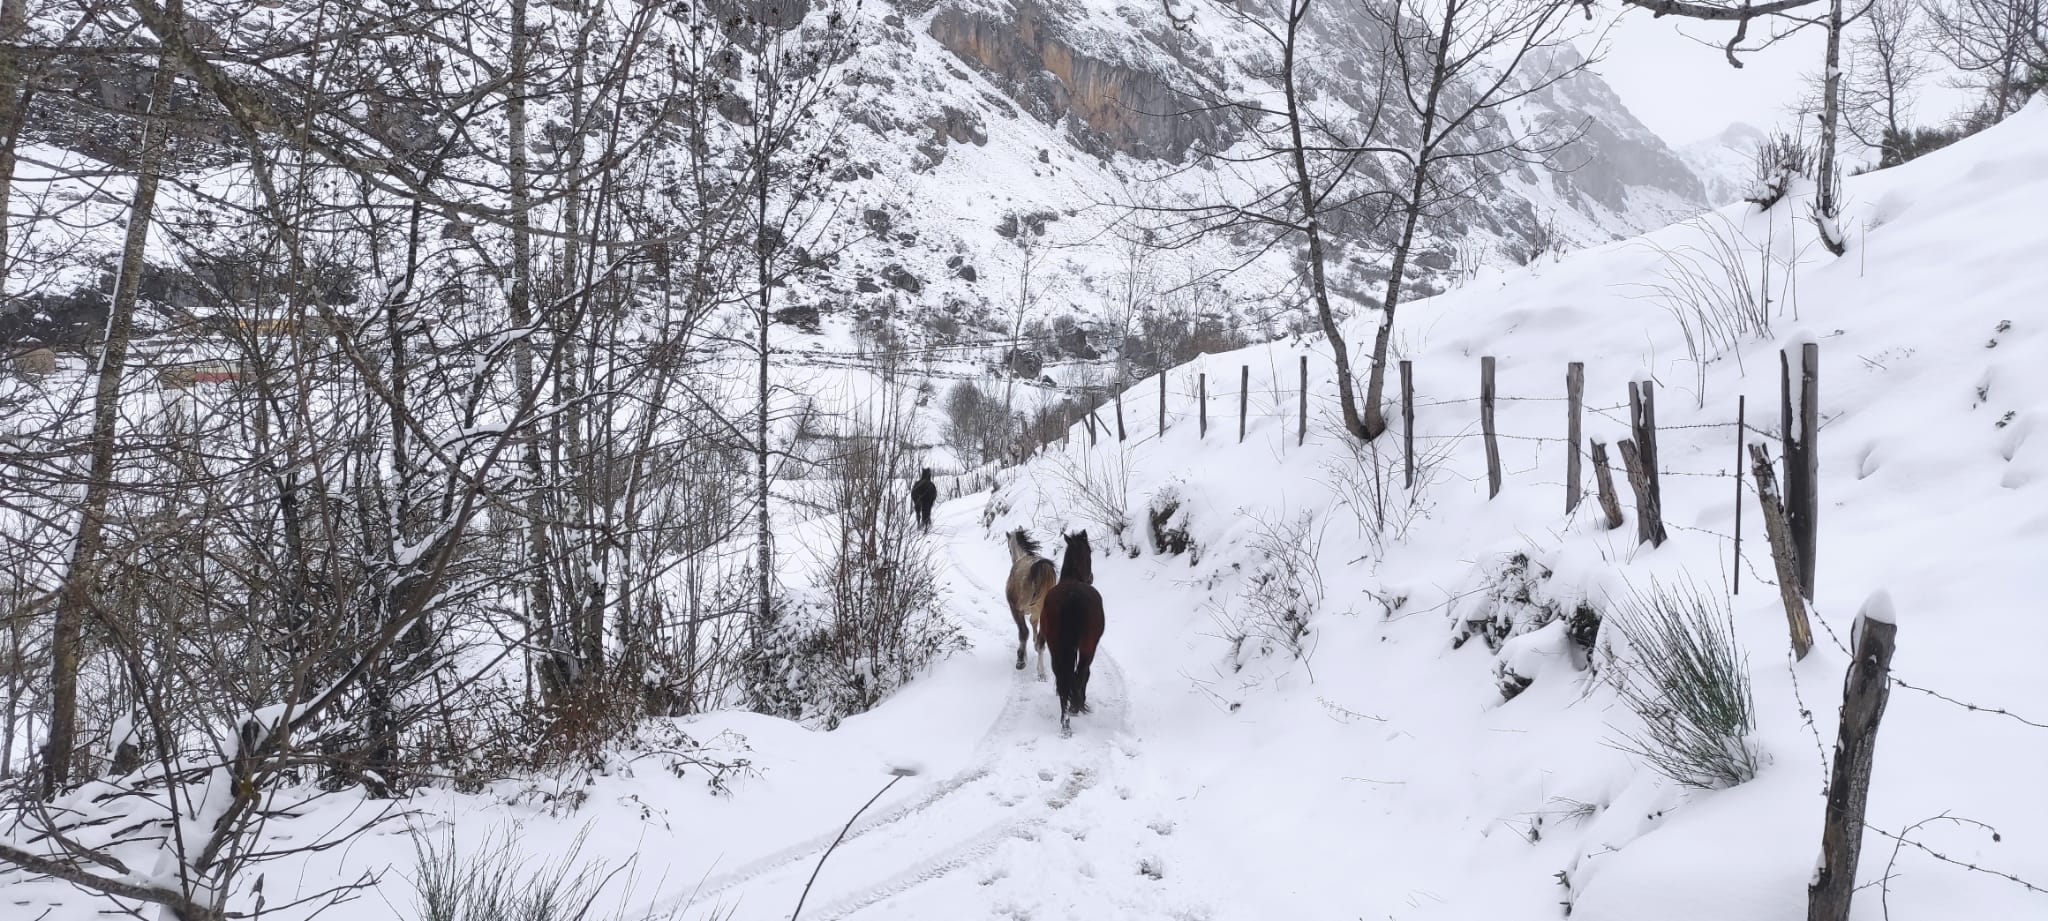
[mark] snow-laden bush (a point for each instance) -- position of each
(1167, 514)
(1780, 160)
(1279, 598)
(1683, 676)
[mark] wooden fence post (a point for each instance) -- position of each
(1783, 554)
(1642, 415)
(1801, 423)
(1806, 517)
(1162, 403)
(1090, 420)
(1202, 401)
(1574, 395)
(1486, 426)
(1244, 398)
(1301, 429)
(1603, 480)
(1741, 436)
(1120, 416)
(1408, 419)
(1649, 518)
(1865, 690)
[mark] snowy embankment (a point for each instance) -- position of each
(1382, 773)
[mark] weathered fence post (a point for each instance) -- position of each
(1649, 517)
(1486, 426)
(1800, 419)
(1642, 415)
(1301, 429)
(1574, 395)
(1741, 436)
(1803, 504)
(1162, 403)
(1244, 398)
(1120, 415)
(1603, 480)
(1864, 691)
(1408, 419)
(1784, 555)
(1090, 420)
(1202, 401)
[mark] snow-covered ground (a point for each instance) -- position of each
(1382, 775)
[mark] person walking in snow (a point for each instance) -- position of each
(922, 496)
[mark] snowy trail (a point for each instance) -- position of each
(1032, 826)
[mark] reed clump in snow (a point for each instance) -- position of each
(1684, 677)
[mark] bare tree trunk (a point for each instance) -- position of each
(13, 107)
(1824, 205)
(519, 304)
(1311, 223)
(58, 770)
(1375, 420)
(764, 553)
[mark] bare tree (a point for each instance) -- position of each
(1456, 72)
(2000, 46)
(1887, 61)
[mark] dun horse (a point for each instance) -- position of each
(1070, 620)
(1030, 576)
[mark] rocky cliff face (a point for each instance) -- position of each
(1071, 109)
(1104, 106)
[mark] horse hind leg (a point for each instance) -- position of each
(1023, 637)
(1038, 640)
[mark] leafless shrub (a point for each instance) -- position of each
(1372, 484)
(1097, 486)
(1718, 290)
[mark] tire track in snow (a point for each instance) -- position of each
(1081, 777)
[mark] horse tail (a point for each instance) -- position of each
(1064, 611)
(1040, 579)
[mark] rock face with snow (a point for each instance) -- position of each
(977, 111)
(962, 118)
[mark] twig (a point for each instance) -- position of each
(900, 774)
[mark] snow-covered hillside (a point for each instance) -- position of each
(1381, 773)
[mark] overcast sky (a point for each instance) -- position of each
(1685, 90)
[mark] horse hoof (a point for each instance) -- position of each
(1020, 666)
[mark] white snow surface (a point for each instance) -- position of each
(1384, 776)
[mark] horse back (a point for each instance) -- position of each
(1073, 616)
(1029, 581)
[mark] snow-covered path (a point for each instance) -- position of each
(1032, 825)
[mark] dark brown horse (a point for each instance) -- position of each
(1070, 620)
(922, 496)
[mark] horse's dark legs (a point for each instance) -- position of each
(1064, 677)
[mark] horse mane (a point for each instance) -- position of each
(1076, 564)
(1022, 539)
